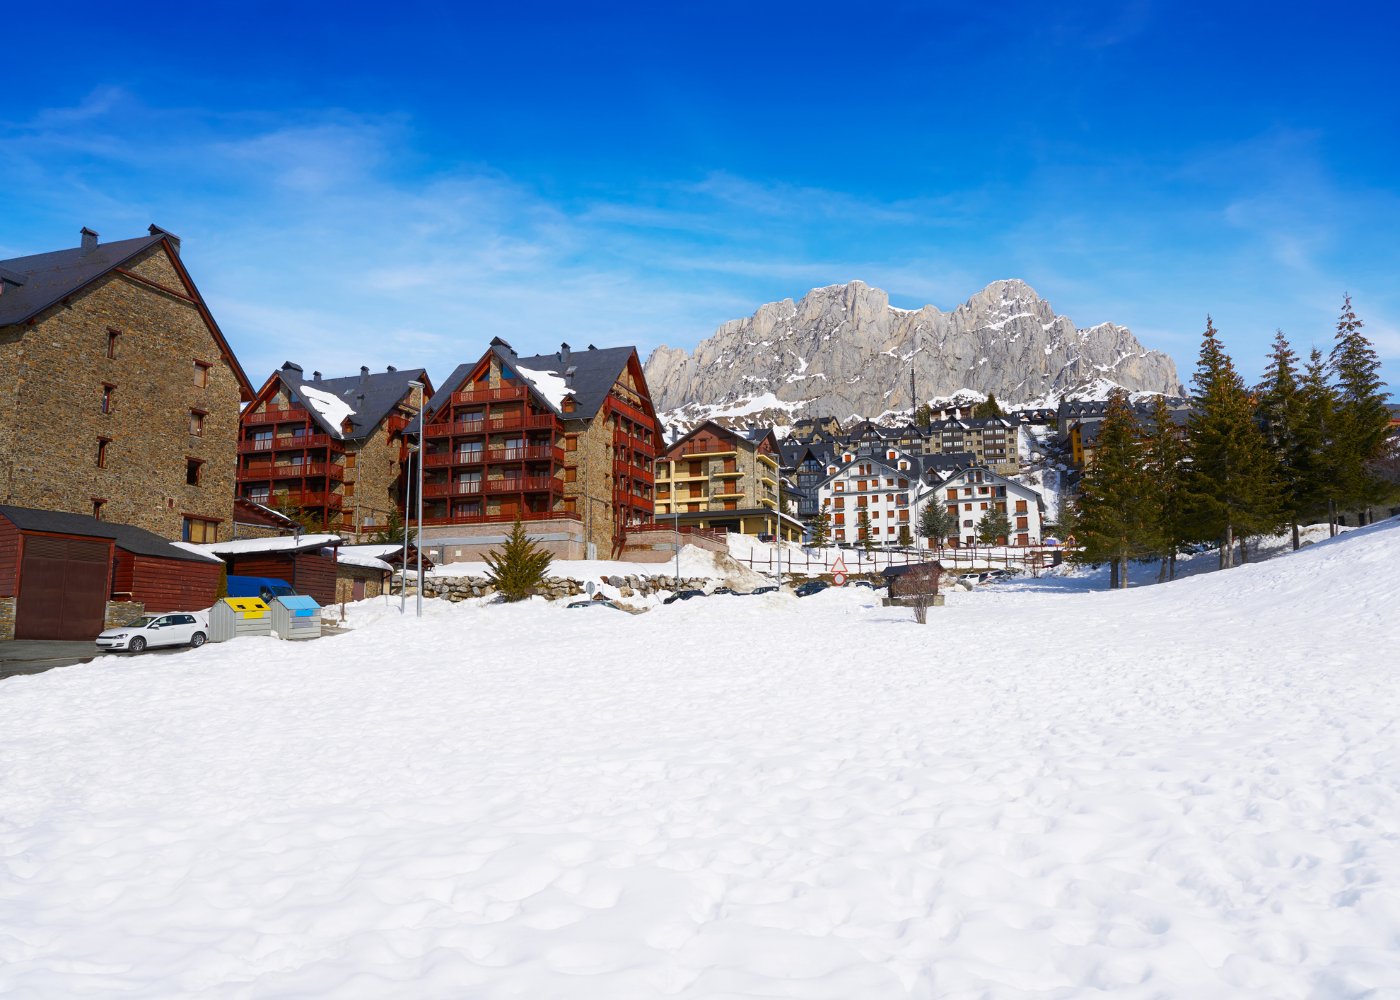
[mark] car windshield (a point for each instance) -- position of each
(142, 622)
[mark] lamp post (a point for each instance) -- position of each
(407, 509)
(418, 538)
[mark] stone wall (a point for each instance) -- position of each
(462, 588)
(376, 479)
(122, 613)
(51, 383)
(7, 618)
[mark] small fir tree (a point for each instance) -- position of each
(1311, 464)
(393, 531)
(1232, 488)
(935, 523)
(905, 539)
(994, 528)
(517, 569)
(923, 416)
(988, 409)
(1116, 514)
(1164, 455)
(1362, 422)
(1279, 411)
(863, 524)
(821, 525)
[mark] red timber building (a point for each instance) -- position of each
(329, 451)
(563, 441)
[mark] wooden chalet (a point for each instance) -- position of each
(62, 574)
(307, 562)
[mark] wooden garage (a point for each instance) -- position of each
(307, 562)
(58, 571)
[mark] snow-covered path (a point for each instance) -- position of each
(1189, 790)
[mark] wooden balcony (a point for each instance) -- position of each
(734, 489)
(462, 428)
(332, 500)
(505, 392)
(525, 484)
(629, 411)
(632, 471)
(458, 489)
(690, 448)
(308, 470)
(290, 415)
(285, 443)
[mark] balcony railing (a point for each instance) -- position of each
(527, 515)
(691, 448)
(505, 392)
(290, 414)
(332, 500)
(628, 410)
(285, 443)
(452, 489)
(308, 470)
(525, 484)
(632, 470)
(489, 426)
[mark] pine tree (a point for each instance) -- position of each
(863, 523)
(923, 416)
(1117, 514)
(1164, 455)
(905, 539)
(517, 569)
(1280, 415)
(1310, 464)
(392, 533)
(821, 525)
(988, 409)
(935, 523)
(1361, 421)
(1232, 488)
(994, 528)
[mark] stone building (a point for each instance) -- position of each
(563, 441)
(720, 479)
(330, 451)
(119, 395)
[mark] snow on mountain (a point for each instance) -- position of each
(844, 350)
(1183, 790)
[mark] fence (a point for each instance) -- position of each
(808, 561)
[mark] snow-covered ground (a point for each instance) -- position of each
(1189, 790)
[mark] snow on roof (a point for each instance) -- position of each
(551, 385)
(357, 559)
(282, 543)
(370, 551)
(331, 407)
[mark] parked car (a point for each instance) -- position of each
(811, 587)
(767, 536)
(177, 629)
(721, 590)
(683, 595)
(864, 583)
(769, 589)
(264, 587)
(593, 604)
(994, 574)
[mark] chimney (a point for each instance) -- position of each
(155, 230)
(563, 354)
(364, 373)
(89, 241)
(391, 368)
(292, 365)
(315, 376)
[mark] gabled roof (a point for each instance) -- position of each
(720, 429)
(369, 397)
(46, 279)
(587, 375)
(137, 541)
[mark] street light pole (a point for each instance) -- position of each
(407, 510)
(418, 538)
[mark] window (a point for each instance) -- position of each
(570, 474)
(112, 336)
(201, 373)
(97, 505)
(197, 423)
(571, 442)
(192, 470)
(107, 390)
(102, 444)
(199, 529)
(568, 405)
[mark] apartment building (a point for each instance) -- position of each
(970, 493)
(563, 441)
(724, 479)
(330, 451)
(880, 487)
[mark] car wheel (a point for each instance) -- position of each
(137, 645)
(197, 640)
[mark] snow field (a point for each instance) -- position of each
(1188, 790)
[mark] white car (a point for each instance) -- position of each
(176, 629)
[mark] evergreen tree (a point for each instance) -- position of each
(905, 539)
(1117, 513)
(1164, 455)
(1310, 464)
(821, 525)
(988, 409)
(517, 569)
(1232, 488)
(1280, 414)
(994, 528)
(935, 523)
(923, 416)
(863, 523)
(392, 533)
(1361, 422)
(309, 521)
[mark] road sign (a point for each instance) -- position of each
(838, 572)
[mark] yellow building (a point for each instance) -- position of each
(724, 480)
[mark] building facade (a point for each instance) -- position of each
(724, 480)
(565, 442)
(119, 395)
(870, 494)
(969, 494)
(330, 452)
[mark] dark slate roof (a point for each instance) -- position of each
(138, 541)
(51, 277)
(372, 396)
(594, 372)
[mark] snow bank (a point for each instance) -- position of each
(1190, 790)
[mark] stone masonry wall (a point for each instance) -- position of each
(462, 588)
(7, 618)
(593, 486)
(51, 382)
(122, 613)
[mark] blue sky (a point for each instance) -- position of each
(396, 185)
